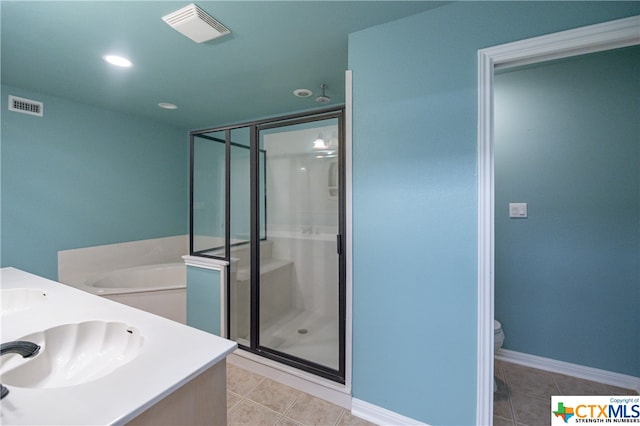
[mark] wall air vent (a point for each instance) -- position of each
(26, 106)
(196, 24)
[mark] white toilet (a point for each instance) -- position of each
(498, 339)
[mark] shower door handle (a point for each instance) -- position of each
(339, 244)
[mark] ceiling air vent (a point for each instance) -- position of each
(26, 106)
(196, 24)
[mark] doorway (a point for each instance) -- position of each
(615, 34)
(268, 197)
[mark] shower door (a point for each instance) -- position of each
(299, 288)
(267, 197)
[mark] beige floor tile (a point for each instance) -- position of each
(524, 397)
(614, 390)
(274, 395)
(574, 386)
(241, 381)
(498, 370)
(253, 414)
(529, 381)
(285, 421)
(348, 419)
(501, 421)
(530, 410)
(232, 400)
(310, 410)
(502, 405)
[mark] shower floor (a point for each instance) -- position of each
(307, 335)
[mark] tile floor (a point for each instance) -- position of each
(255, 400)
(524, 394)
(523, 399)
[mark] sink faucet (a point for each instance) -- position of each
(21, 347)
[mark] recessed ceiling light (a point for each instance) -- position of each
(167, 105)
(118, 61)
(302, 93)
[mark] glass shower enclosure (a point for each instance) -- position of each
(268, 197)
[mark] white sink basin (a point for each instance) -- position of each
(19, 299)
(72, 354)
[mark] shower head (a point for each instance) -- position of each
(323, 99)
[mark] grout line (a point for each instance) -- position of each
(555, 380)
(251, 401)
(292, 403)
(513, 411)
(288, 409)
(285, 414)
(509, 393)
(255, 387)
(240, 398)
(504, 418)
(281, 416)
(555, 383)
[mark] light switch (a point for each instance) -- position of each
(518, 210)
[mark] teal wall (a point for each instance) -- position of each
(415, 197)
(567, 141)
(83, 176)
(203, 299)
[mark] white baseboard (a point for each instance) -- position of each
(379, 415)
(575, 370)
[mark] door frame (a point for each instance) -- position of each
(589, 39)
(337, 375)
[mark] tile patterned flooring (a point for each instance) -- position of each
(524, 394)
(523, 398)
(255, 400)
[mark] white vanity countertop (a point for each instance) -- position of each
(172, 354)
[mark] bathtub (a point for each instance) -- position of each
(159, 288)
